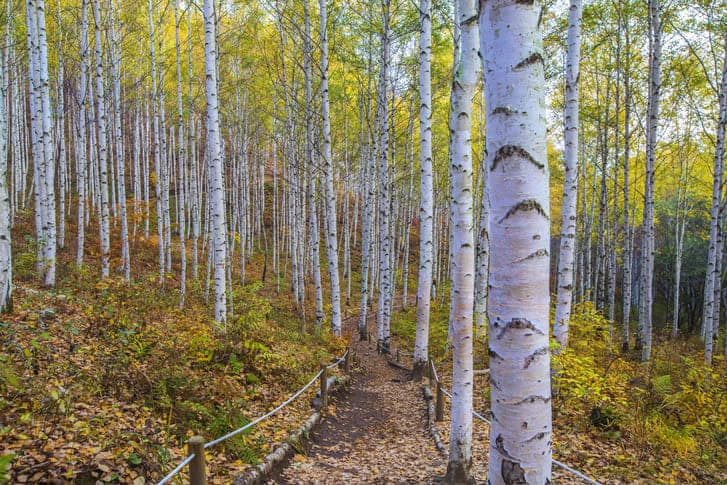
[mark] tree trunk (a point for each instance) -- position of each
(331, 234)
(216, 175)
(519, 301)
(570, 190)
(104, 229)
(426, 206)
(647, 256)
(463, 260)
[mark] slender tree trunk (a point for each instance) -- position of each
(181, 163)
(331, 234)
(564, 299)
(713, 270)
(647, 265)
(81, 136)
(483, 247)
(385, 245)
(156, 145)
(6, 255)
(120, 162)
(628, 247)
(216, 175)
(463, 261)
(426, 206)
(104, 229)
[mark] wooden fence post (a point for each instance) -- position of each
(440, 403)
(324, 386)
(197, 473)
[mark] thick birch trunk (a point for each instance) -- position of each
(519, 302)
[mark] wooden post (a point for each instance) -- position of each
(398, 356)
(197, 474)
(440, 403)
(324, 386)
(347, 361)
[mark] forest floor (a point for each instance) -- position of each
(377, 433)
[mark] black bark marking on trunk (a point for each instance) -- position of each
(538, 436)
(507, 151)
(525, 206)
(512, 473)
(531, 59)
(531, 358)
(521, 324)
(539, 253)
(532, 399)
(500, 447)
(505, 110)
(494, 354)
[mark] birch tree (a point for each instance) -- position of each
(519, 300)
(463, 252)
(216, 180)
(566, 258)
(713, 270)
(385, 243)
(6, 255)
(647, 248)
(426, 207)
(81, 148)
(104, 230)
(181, 163)
(331, 232)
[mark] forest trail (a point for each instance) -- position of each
(376, 433)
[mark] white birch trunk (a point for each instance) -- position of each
(6, 255)
(385, 272)
(713, 270)
(426, 205)
(156, 146)
(104, 230)
(216, 180)
(81, 136)
(564, 299)
(463, 261)
(181, 163)
(647, 265)
(519, 300)
(120, 162)
(331, 233)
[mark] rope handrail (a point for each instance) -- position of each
(249, 425)
(565, 467)
(264, 416)
(176, 470)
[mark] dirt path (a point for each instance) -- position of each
(376, 433)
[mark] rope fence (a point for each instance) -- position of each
(197, 445)
(439, 416)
